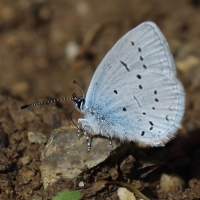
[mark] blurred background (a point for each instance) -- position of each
(46, 44)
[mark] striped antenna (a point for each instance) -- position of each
(75, 82)
(44, 102)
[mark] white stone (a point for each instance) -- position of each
(171, 183)
(125, 194)
(37, 138)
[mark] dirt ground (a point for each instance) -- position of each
(45, 45)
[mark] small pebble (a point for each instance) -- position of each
(171, 183)
(37, 138)
(127, 164)
(81, 184)
(125, 194)
(113, 173)
(25, 160)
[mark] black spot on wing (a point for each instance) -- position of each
(142, 134)
(144, 66)
(139, 76)
(140, 87)
(151, 123)
(125, 65)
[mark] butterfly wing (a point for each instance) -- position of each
(135, 89)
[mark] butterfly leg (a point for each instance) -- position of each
(79, 129)
(87, 138)
(85, 126)
(83, 122)
(110, 142)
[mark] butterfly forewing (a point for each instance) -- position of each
(135, 89)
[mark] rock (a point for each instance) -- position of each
(113, 173)
(171, 183)
(37, 138)
(66, 157)
(127, 164)
(81, 184)
(125, 194)
(25, 160)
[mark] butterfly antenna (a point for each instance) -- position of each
(44, 102)
(75, 82)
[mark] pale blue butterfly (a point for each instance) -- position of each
(134, 94)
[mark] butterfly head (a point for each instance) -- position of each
(78, 102)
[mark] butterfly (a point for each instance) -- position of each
(134, 94)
